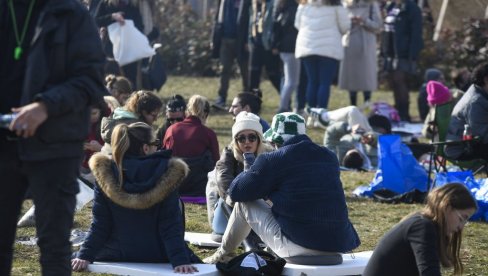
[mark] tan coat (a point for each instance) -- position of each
(358, 71)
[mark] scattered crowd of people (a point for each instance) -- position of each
(271, 181)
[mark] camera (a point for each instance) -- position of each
(6, 119)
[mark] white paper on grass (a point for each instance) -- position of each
(129, 44)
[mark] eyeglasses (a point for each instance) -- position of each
(463, 220)
(242, 138)
(173, 120)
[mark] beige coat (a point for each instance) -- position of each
(358, 71)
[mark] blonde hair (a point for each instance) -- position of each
(449, 196)
(143, 101)
(198, 106)
(129, 139)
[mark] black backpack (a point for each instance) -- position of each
(253, 263)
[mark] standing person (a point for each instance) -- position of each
(359, 68)
(196, 144)
(136, 204)
(284, 39)
(306, 214)
(260, 37)
(233, 20)
(401, 45)
(320, 25)
(50, 74)
(111, 11)
(422, 241)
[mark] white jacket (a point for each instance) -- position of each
(320, 29)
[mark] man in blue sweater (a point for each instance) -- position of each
(292, 198)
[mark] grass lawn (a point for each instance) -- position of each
(371, 219)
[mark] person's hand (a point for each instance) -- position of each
(93, 145)
(275, 51)
(29, 118)
(185, 269)
(119, 17)
(368, 139)
(79, 264)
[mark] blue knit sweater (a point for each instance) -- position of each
(302, 180)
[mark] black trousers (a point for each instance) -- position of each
(259, 58)
(53, 187)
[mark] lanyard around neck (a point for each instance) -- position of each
(20, 39)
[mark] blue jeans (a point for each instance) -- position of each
(320, 73)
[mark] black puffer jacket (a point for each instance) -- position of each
(285, 33)
(65, 71)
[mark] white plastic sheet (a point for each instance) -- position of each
(129, 44)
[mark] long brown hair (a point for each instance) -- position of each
(450, 196)
(143, 101)
(129, 139)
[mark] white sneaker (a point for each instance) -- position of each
(320, 118)
(220, 256)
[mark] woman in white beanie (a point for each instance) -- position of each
(247, 137)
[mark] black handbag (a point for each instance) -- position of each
(253, 263)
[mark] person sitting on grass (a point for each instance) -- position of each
(175, 113)
(247, 135)
(142, 106)
(422, 241)
(292, 198)
(136, 212)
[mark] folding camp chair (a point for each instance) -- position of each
(438, 158)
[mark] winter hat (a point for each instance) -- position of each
(432, 74)
(437, 93)
(176, 103)
(285, 126)
(247, 121)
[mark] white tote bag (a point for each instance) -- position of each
(129, 44)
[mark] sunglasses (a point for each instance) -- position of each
(173, 120)
(241, 139)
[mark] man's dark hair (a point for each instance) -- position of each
(353, 160)
(252, 99)
(480, 73)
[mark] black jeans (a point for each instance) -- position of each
(53, 188)
(260, 57)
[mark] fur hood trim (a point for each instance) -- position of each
(101, 166)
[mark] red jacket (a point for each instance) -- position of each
(190, 138)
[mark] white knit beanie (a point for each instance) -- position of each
(247, 121)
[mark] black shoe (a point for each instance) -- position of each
(220, 105)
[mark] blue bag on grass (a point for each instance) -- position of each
(398, 170)
(477, 187)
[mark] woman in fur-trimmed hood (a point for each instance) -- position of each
(136, 204)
